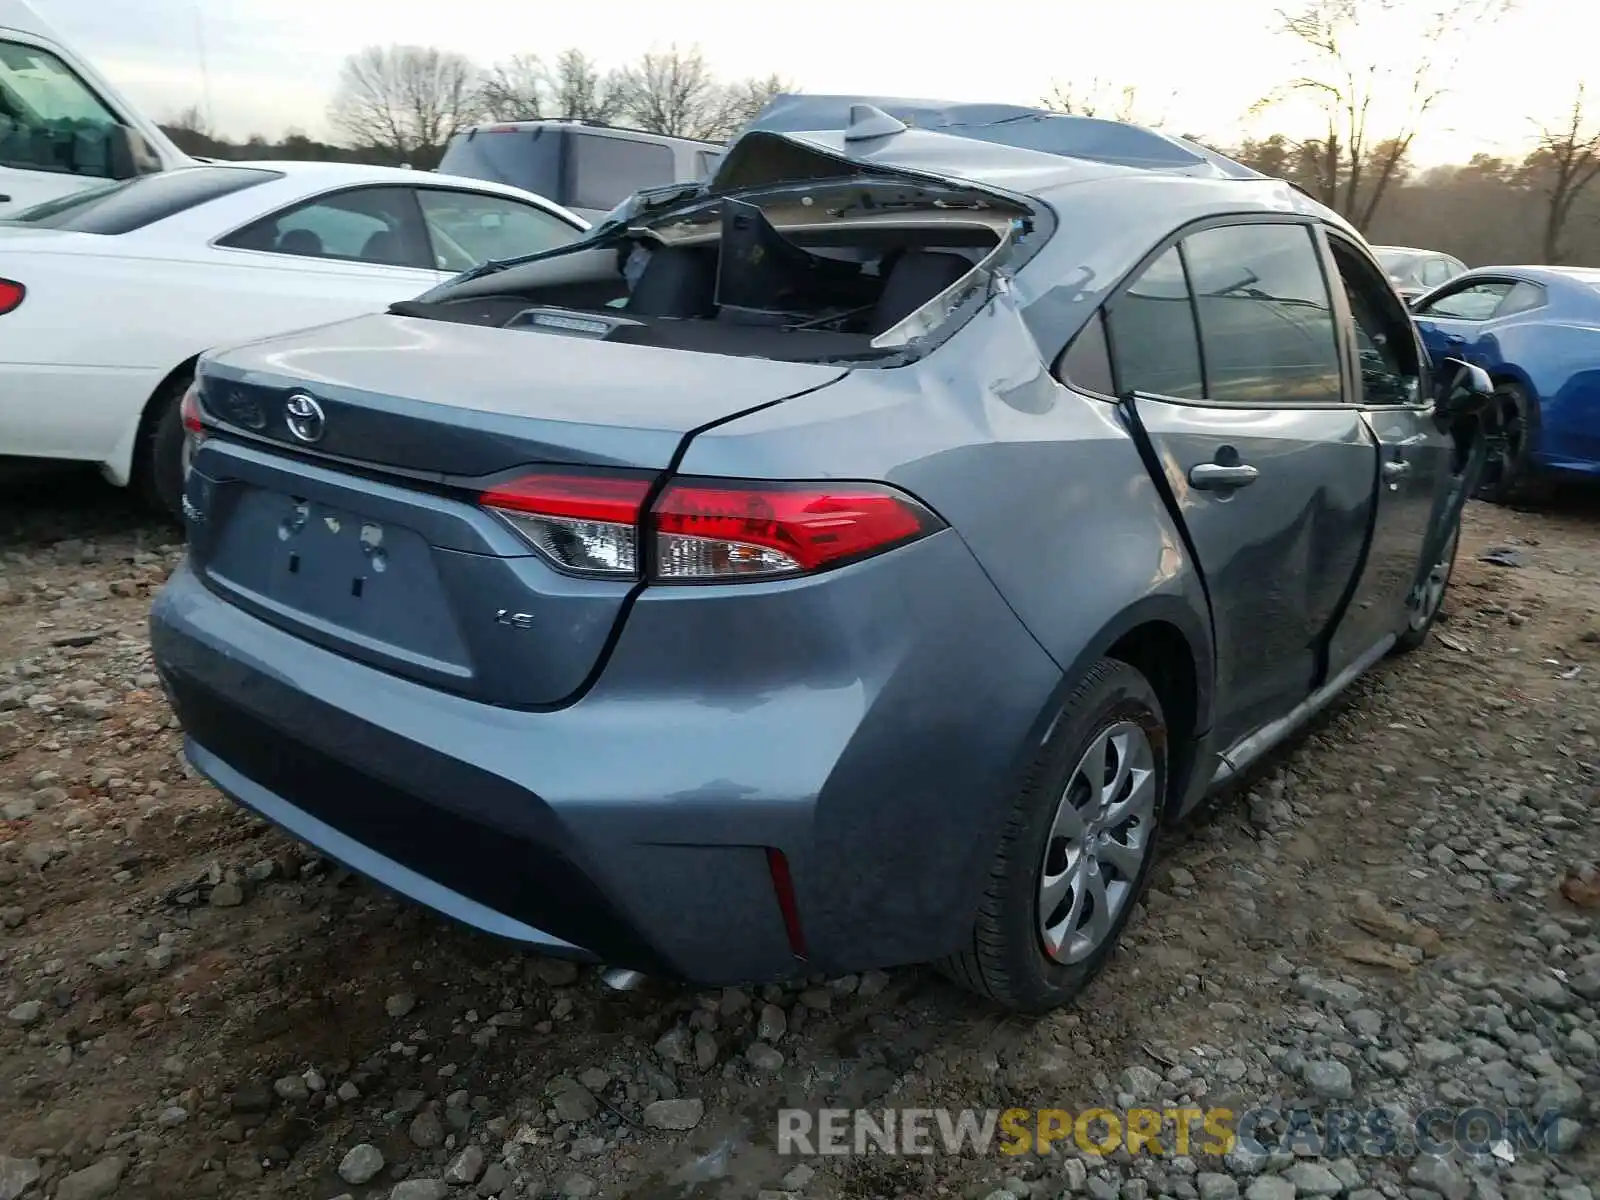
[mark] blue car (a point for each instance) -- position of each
(1536, 331)
(855, 559)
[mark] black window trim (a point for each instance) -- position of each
(1349, 355)
(1214, 221)
(317, 198)
(1460, 284)
(526, 203)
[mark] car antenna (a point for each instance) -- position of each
(868, 121)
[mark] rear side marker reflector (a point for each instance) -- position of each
(788, 905)
(12, 294)
(705, 530)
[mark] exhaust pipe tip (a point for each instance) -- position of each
(620, 979)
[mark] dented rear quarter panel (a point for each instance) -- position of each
(1045, 484)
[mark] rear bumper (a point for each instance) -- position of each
(633, 826)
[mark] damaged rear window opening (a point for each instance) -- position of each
(843, 270)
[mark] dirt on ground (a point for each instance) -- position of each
(1401, 909)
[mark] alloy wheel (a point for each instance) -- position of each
(1101, 833)
(1505, 442)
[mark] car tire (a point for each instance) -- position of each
(1506, 476)
(158, 461)
(1419, 620)
(1115, 712)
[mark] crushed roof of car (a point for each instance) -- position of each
(937, 137)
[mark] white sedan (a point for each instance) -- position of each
(108, 296)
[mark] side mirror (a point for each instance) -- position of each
(1467, 393)
(129, 154)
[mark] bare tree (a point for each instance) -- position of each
(578, 90)
(1564, 164)
(190, 120)
(675, 92)
(1105, 100)
(515, 89)
(406, 100)
(1353, 54)
(749, 96)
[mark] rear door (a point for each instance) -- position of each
(1416, 492)
(1226, 343)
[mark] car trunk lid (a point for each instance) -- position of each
(369, 538)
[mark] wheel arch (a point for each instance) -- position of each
(1169, 643)
(124, 469)
(152, 402)
(1504, 373)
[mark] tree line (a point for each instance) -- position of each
(400, 105)
(1367, 77)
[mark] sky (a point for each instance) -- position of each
(272, 64)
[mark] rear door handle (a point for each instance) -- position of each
(1216, 477)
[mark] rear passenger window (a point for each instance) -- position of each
(1153, 342)
(1523, 297)
(607, 170)
(1266, 322)
(1086, 363)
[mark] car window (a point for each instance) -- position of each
(1475, 302)
(1436, 271)
(377, 225)
(1522, 297)
(523, 157)
(1400, 264)
(607, 170)
(1086, 362)
(1386, 348)
(131, 204)
(467, 229)
(1266, 320)
(49, 119)
(1154, 346)
(706, 162)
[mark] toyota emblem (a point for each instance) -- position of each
(304, 416)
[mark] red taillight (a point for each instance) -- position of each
(716, 530)
(706, 530)
(11, 295)
(189, 411)
(583, 523)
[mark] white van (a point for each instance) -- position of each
(62, 126)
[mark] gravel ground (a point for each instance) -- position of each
(1400, 910)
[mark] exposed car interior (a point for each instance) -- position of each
(830, 274)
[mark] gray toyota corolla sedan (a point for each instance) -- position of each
(854, 559)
